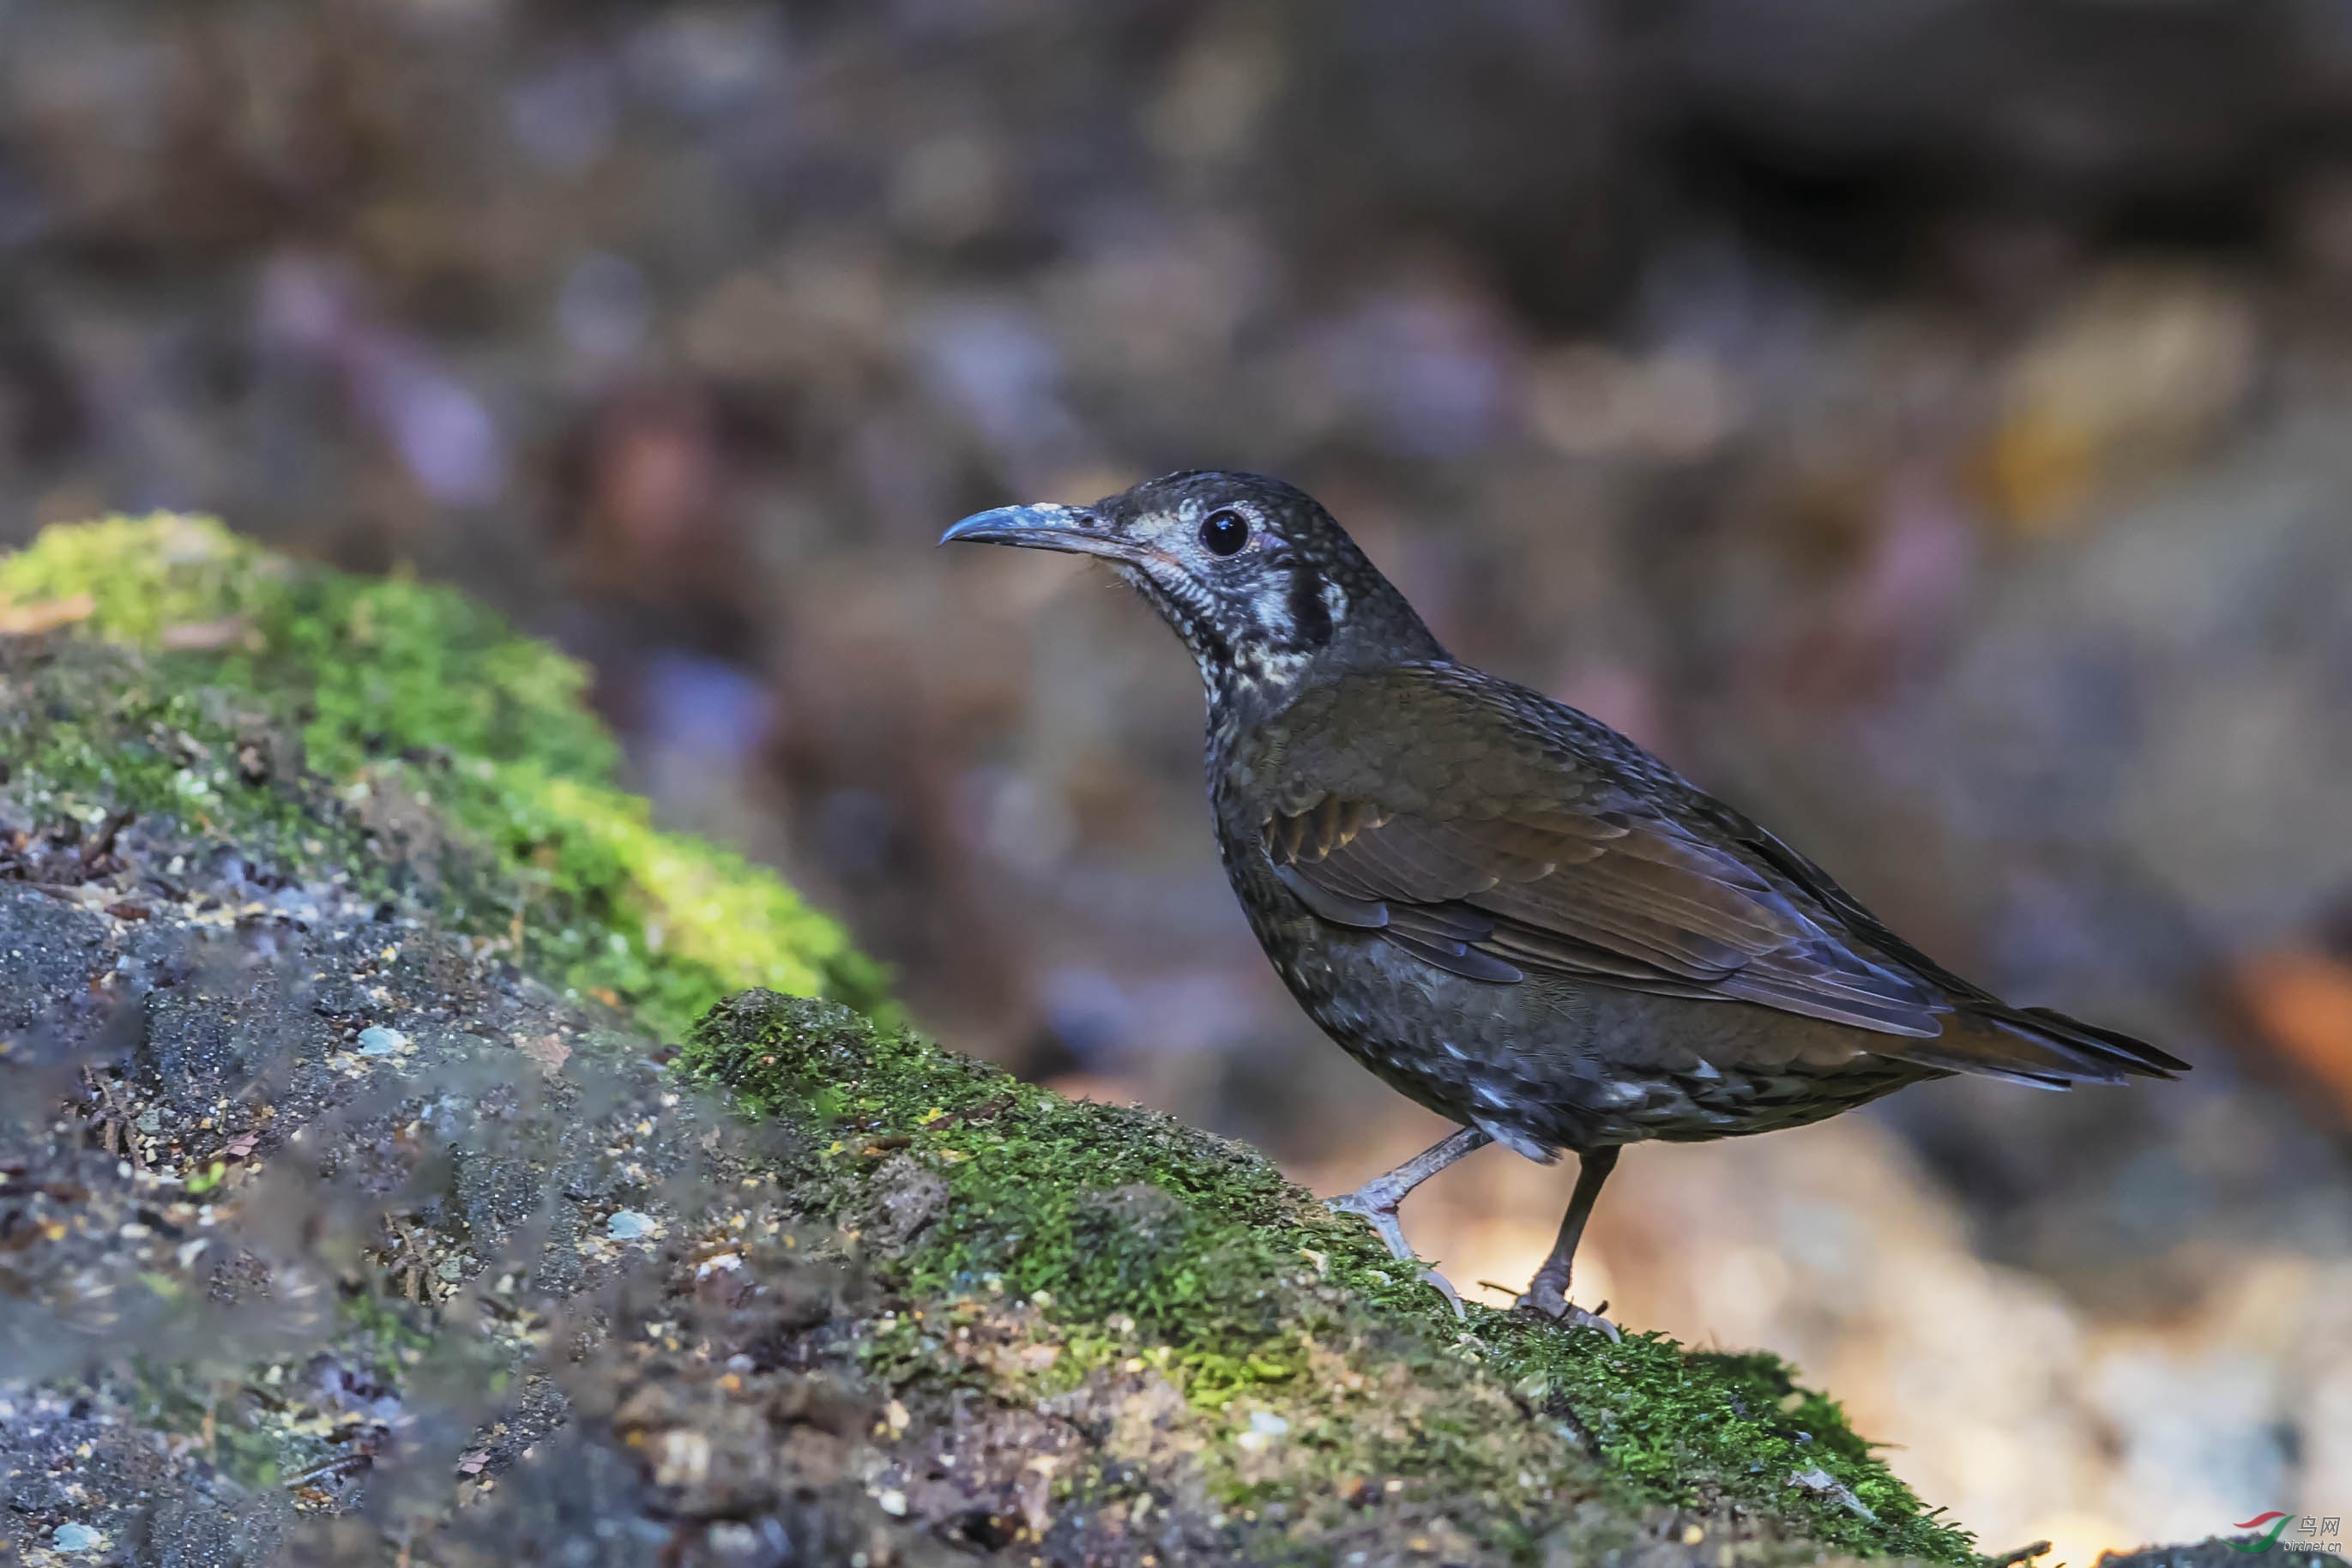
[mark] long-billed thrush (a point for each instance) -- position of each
(1509, 911)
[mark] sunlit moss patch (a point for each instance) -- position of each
(438, 734)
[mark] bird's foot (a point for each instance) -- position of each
(1380, 1211)
(1545, 1299)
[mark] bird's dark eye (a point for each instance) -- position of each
(1225, 531)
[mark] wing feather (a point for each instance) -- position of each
(1506, 855)
(1519, 838)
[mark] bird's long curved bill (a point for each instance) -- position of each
(1067, 528)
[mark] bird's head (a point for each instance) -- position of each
(1261, 584)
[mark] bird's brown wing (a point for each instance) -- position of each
(1498, 844)
(1513, 835)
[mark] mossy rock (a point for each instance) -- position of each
(460, 752)
(1310, 1365)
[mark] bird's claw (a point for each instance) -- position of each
(1380, 1217)
(1542, 1303)
(1576, 1316)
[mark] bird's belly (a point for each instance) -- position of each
(1549, 1064)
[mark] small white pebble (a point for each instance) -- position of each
(378, 1041)
(894, 1503)
(628, 1224)
(77, 1537)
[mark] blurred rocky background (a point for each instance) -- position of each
(1928, 424)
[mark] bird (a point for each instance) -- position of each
(1508, 911)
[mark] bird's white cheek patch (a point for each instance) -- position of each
(1272, 616)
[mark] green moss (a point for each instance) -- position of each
(419, 695)
(143, 575)
(1044, 1192)
(105, 732)
(1679, 1422)
(1133, 1239)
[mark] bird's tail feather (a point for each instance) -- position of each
(2038, 1046)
